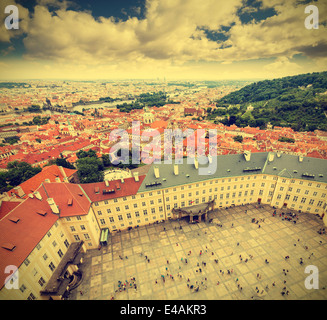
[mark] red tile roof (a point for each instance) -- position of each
(127, 188)
(62, 193)
(7, 206)
(48, 172)
(26, 233)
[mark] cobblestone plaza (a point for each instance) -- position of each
(230, 258)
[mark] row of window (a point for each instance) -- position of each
(314, 194)
(303, 200)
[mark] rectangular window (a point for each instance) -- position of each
(41, 282)
(52, 266)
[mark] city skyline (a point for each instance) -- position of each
(211, 40)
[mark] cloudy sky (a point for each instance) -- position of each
(176, 39)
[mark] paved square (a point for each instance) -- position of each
(239, 260)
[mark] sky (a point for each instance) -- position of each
(151, 39)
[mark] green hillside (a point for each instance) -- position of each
(298, 101)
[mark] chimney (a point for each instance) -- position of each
(271, 156)
(47, 180)
(19, 191)
(122, 180)
(57, 179)
(66, 179)
(106, 182)
(196, 163)
(247, 155)
(62, 171)
(156, 172)
(210, 158)
(300, 158)
(136, 176)
(176, 169)
(53, 206)
(38, 195)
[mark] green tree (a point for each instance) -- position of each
(89, 167)
(83, 154)
(64, 163)
(238, 138)
(106, 160)
(20, 171)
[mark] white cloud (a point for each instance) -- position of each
(170, 36)
(166, 33)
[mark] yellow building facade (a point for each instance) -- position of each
(79, 213)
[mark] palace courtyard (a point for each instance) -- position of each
(230, 257)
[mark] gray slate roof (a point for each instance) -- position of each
(233, 165)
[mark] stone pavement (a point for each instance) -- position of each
(238, 238)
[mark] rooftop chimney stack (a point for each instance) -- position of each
(156, 172)
(247, 155)
(53, 206)
(196, 163)
(38, 195)
(271, 156)
(19, 191)
(176, 169)
(136, 176)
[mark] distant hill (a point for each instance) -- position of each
(298, 101)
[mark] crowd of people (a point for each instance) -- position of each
(288, 216)
(194, 265)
